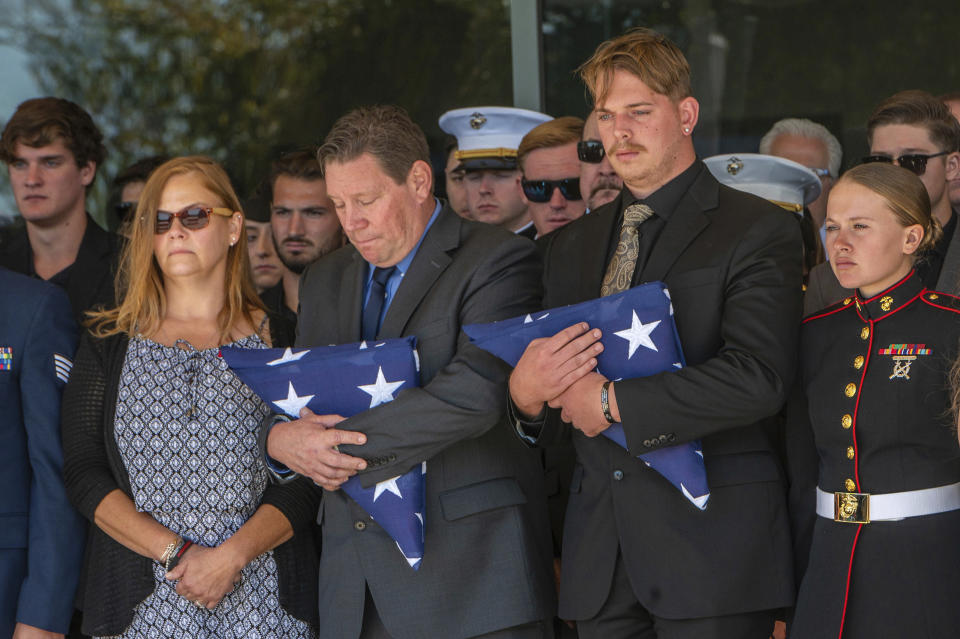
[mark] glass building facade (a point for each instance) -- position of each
(244, 80)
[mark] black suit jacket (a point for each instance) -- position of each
(487, 560)
(732, 265)
(89, 282)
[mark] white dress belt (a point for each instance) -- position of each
(896, 506)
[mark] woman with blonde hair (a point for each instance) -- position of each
(160, 438)
(872, 450)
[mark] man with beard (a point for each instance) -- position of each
(599, 183)
(304, 224)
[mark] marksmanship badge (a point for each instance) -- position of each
(903, 356)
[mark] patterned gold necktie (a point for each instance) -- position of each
(624, 263)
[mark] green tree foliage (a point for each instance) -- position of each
(241, 80)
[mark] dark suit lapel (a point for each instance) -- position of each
(430, 261)
(684, 224)
(350, 302)
(949, 280)
(92, 266)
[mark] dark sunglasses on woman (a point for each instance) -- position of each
(590, 151)
(192, 217)
(916, 163)
(542, 190)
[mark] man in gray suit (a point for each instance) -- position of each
(916, 131)
(414, 267)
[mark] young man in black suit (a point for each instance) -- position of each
(638, 559)
(52, 150)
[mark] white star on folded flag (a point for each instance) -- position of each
(380, 391)
(619, 317)
(387, 486)
(700, 502)
(638, 334)
(293, 403)
(288, 356)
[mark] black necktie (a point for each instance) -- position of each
(370, 324)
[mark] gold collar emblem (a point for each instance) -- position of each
(885, 303)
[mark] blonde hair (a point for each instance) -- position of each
(139, 284)
(954, 378)
(557, 132)
(904, 194)
(648, 55)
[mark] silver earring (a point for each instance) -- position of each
(686, 129)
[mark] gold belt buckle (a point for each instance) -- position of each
(851, 508)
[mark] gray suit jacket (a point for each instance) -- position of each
(487, 559)
(823, 289)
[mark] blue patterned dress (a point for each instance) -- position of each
(186, 428)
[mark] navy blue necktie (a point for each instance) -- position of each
(370, 324)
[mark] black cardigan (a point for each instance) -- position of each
(115, 579)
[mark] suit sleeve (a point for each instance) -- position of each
(468, 395)
(750, 376)
(56, 530)
(813, 298)
(802, 464)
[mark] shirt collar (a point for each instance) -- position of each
(523, 228)
(665, 199)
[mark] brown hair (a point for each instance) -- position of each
(139, 282)
(918, 108)
(904, 194)
(954, 377)
(301, 164)
(557, 132)
(42, 121)
(386, 132)
(650, 56)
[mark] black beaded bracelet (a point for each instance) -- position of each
(605, 403)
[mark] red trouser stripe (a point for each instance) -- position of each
(846, 592)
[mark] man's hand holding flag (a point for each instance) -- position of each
(623, 336)
(322, 386)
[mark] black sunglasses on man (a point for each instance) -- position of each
(916, 163)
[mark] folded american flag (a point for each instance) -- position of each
(346, 380)
(639, 339)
